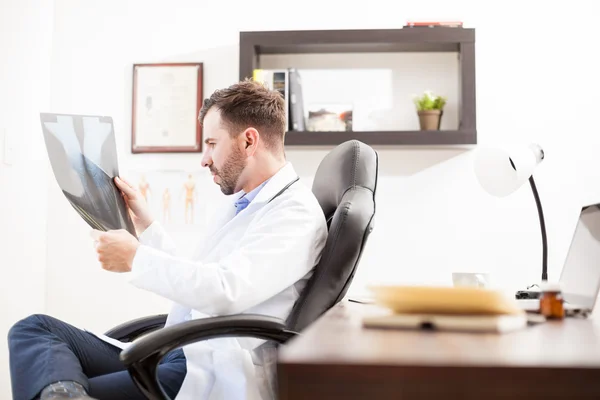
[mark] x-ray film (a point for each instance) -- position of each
(83, 156)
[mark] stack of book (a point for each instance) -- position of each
(289, 84)
(446, 308)
(433, 24)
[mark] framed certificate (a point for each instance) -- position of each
(165, 105)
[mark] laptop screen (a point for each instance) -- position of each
(580, 277)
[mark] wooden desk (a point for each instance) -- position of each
(336, 358)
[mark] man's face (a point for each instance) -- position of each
(222, 154)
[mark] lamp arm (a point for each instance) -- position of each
(543, 228)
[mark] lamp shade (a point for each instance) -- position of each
(501, 171)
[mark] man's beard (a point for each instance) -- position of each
(230, 171)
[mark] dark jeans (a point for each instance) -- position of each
(44, 350)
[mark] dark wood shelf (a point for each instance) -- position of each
(358, 41)
(442, 137)
(440, 39)
(421, 39)
(322, 48)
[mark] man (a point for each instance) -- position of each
(256, 258)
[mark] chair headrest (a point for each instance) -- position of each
(349, 165)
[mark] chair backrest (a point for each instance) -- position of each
(345, 185)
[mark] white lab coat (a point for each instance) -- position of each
(255, 262)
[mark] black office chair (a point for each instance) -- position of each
(345, 185)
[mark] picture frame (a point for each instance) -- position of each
(166, 101)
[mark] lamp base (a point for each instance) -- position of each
(527, 294)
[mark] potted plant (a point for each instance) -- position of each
(430, 109)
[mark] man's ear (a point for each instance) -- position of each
(251, 139)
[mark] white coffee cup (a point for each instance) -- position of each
(472, 279)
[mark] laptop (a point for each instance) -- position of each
(580, 277)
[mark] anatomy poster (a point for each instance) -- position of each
(180, 200)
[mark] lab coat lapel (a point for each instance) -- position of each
(279, 181)
(214, 233)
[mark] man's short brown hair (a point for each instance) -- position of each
(250, 104)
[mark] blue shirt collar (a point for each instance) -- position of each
(246, 198)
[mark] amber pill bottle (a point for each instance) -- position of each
(551, 301)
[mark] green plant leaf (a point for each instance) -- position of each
(429, 101)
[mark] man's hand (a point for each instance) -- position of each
(116, 249)
(140, 213)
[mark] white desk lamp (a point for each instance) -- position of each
(501, 172)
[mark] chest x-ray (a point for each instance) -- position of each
(83, 155)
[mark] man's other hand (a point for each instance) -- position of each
(140, 213)
(116, 249)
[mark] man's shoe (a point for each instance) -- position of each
(65, 390)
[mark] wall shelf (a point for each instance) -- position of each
(445, 137)
(439, 39)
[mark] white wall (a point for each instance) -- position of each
(25, 48)
(534, 79)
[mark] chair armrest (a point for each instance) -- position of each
(130, 330)
(144, 354)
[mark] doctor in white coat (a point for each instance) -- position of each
(256, 257)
